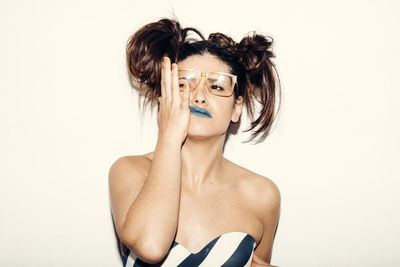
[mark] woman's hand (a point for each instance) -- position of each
(174, 113)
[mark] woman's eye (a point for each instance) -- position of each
(182, 83)
(217, 87)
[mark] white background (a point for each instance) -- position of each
(67, 113)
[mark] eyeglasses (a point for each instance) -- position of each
(217, 83)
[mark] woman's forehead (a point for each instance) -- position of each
(204, 63)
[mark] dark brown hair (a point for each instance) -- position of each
(249, 60)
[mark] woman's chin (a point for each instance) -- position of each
(197, 134)
(202, 134)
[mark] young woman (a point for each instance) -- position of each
(185, 204)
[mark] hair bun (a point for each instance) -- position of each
(254, 51)
(145, 50)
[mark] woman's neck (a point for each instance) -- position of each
(202, 160)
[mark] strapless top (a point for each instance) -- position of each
(233, 249)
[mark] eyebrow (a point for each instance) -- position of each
(215, 79)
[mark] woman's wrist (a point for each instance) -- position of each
(169, 142)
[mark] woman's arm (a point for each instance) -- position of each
(269, 200)
(257, 262)
(145, 209)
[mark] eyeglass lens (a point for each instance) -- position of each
(217, 83)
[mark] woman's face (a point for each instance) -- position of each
(222, 109)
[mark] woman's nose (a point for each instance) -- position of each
(199, 100)
(199, 95)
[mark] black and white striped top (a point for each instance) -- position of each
(233, 249)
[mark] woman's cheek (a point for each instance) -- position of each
(224, 118)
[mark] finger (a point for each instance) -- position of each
(167, 78)
(163, 94)
(160, 100)
(185, 97)
(176, 97)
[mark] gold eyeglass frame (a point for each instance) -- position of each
(205, 75)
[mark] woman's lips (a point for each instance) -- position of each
(201, 112)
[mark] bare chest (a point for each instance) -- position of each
(204, 216)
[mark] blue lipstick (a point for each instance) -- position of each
(201, 112)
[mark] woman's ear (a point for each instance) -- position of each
(237, 109)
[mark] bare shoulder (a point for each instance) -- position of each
(126, 165)
(126, 178)
(264, 199)
(261, 191)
